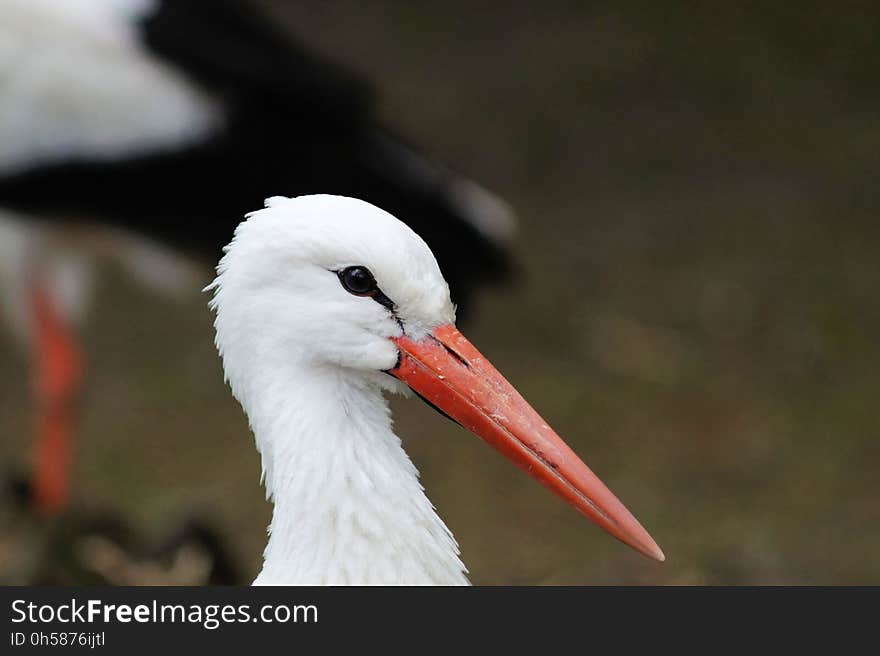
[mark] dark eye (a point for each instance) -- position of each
(358, 280)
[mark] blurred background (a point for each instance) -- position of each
(691, 300)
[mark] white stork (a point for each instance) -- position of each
(318, 299)
(129, 119)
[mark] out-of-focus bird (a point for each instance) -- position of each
(164, 120)
(318, 299)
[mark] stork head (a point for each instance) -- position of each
(333, 283)
(324, 280)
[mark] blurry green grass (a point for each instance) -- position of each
(697, 313)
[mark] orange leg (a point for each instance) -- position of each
(58, 369)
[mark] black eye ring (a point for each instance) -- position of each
(358, 280)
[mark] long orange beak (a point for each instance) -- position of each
(447, 371)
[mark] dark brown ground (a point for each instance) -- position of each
(697, 312)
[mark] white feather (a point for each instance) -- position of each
(76, 83)
(306, 359)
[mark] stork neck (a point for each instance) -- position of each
(349, 508)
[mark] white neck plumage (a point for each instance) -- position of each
(349, 508)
